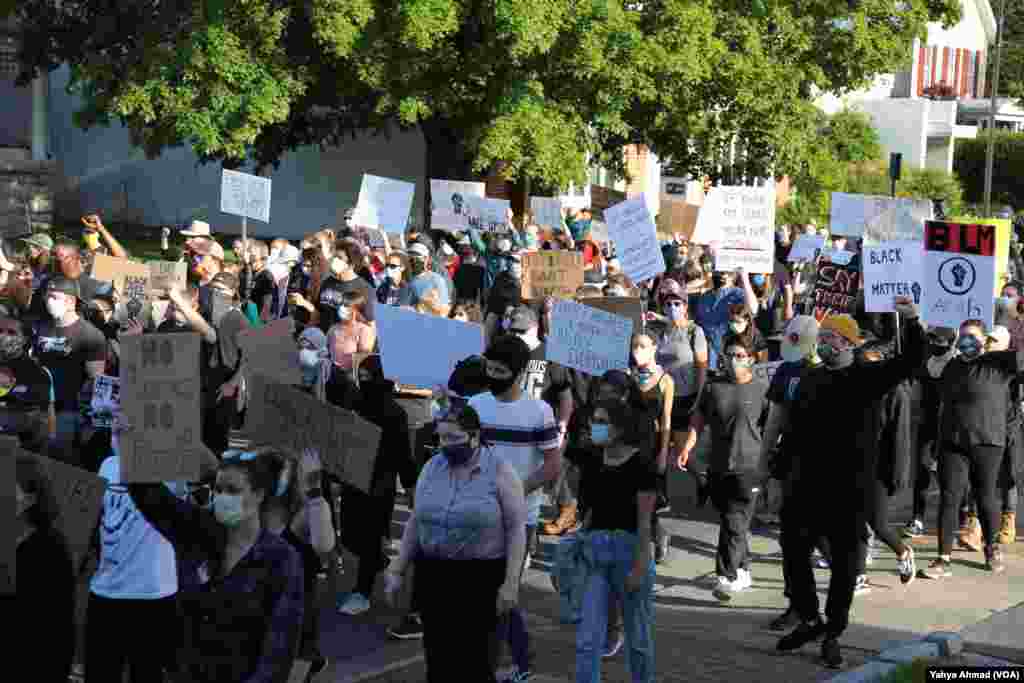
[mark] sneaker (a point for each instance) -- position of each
(907, 567)
(805, 632)
(818, 561)
(527, 561)
(869, 556)
(785, 621)
(614, 643)
(861, 587)
(937, 569)
(913, 529)
(831, 654)
(410, 628)
(661, 550)
(726, 588)
(517, 676)
(994, 560)
(745, 578)
(354, 605)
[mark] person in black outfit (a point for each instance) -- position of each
(833, 471)
(44, 609)
(26, 389)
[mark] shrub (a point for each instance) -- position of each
(1008, 168)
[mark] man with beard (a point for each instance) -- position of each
(832, 434)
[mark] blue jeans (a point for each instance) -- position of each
(609, 556)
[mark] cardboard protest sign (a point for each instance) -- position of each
(835, 290)
(448, 206)
(271, 350)
(422, 350)
(78, 495)
(547, 211)
(487, 214)
(681, 190)
(284, 416)
(763, 372)
(677, 217)
(160, 394)
(636, 240)
(130, 278)
(629, 307)
(806, 248)
(552, 273)
(890, 270)
(384, 203)
(164, 275)
(740, 223)
(959, 273)
(588, 339)
(878, 219)
(577, 197)
(1004, 229)
(244, 194)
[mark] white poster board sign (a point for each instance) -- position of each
(448, 206)
(488, 214)
(959, 273)
(892, 269)
(244, 194)
(632, 229)
(422, 350)
(547, 211)
(588, 339)
(879, 219)
(739, 222)
(806, 248)
(384, 203)
(577, 198)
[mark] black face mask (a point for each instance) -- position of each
(839, 359)
(718, 280)
(500, 386)
(938, 349)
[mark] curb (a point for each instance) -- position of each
(937, 644)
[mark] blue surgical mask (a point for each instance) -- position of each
(969, 347)
(459, 453)
(600, 434)
(228, 509)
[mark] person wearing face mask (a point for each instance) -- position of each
(999, 340)
(469, 279)
(423, 280)
(833, 496)
(376, 403)
(466, 538)
(241, 587)
(974, 391)
(315, 362)
(342, 280)
(741, 324)
(40, 248)
(27, 409)
(621, 489)
(44, 605)
(74, 352)
(351, 334)
(505, 294)
(389, 290)
(523, 433)
(683, 352)
(732, 407)
(713, 309)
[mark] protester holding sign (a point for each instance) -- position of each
(242, 597)
(45, 602)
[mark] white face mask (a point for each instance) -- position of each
(531, 338)
(228, 509)
(308, 358)
(57, 308)
(338, 266)
(344, 312)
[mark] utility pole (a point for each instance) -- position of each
(990, 154)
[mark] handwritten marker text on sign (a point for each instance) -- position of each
(960, 238)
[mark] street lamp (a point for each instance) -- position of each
(990, 152)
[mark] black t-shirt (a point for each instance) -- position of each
(735, 414)
(44, 608)
(544, 380)
(469, 282)
(785, 382)
(331, 293)
(612, 491)
(507, 291)
(975, 398)
(263, 285)
(64, 351)
(27, 389)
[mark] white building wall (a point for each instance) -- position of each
(971, 33)
(901, 125)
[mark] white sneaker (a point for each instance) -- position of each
(907, 566)
(861, 587)
(745, 578)
(354, 605)
(726, 588)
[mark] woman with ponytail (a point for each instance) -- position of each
(240, 585)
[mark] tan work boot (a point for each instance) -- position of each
(1008, 529)
(969, 537)
(566, 521)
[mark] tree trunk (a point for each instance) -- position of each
(447, 157)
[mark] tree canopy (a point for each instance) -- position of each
(539, 85)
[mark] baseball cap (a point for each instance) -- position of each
(40, 241)
(417, 249)
(800, 340)
(1000, 335)
(522, 319)
(944, 336)
(197, 229)
(844, 325)
(64, 286)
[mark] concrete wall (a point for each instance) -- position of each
(939, 154)
(310, 188)
(901, 126)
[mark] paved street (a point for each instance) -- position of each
(698, 639)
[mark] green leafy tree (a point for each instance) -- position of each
(535, 86)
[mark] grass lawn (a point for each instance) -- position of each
(915, 671)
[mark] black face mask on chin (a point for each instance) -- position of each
(499, 386)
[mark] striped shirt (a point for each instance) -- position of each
(519, 433)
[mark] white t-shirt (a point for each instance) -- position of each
(519, 432)
(136, 561)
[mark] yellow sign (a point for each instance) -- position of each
(1004, 229)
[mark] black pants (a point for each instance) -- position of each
(218, 419)
(980, 467)
(139, 634)
(879, 520)
(802, 523)
(821, 543)
(923, 477)
(734, 497)
(458, 604)
(377, 521)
